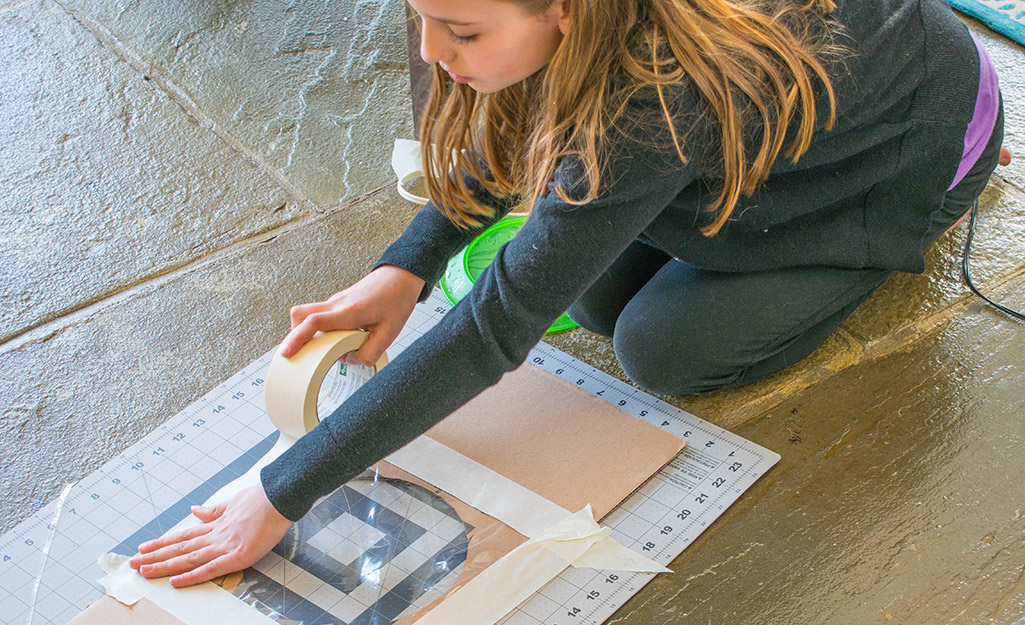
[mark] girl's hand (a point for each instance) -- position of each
(233, 536)
(379, 303)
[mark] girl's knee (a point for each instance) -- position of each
(593, 316)
(666, 367)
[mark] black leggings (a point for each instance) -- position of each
(680, 329)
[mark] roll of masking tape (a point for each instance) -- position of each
(293, 384)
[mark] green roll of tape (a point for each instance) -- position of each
(466, 266)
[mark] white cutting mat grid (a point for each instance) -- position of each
(143, 491)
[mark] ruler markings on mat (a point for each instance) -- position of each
(147, 488)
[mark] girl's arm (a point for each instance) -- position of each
(560, 251)
(557, 254)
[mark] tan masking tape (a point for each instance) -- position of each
(290, 395)
(514, 578)
(292, 389)
(496, 591)
(196, 605)
(558, 539)
(518, 507)
(293, 384)
(479, 486)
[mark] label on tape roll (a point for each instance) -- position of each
(341, 381)
(294, 385)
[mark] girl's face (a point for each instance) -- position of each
(489, 44)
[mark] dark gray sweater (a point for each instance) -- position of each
(860, 197)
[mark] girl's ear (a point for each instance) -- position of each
(562, 6)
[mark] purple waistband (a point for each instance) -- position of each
(980, 129)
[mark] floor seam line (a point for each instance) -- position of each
(1007, 186)
(68, 317)
(186, 102)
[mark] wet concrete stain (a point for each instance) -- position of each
(897, 499)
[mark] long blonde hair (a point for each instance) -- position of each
(755, 66)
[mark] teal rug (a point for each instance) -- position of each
(1007, 17)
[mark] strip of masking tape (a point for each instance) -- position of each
(195, 605)
(479, 486)
(518, 507)
(290, 394)
(207, 603)
(514, 578)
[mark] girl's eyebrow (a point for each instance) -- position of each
(449, 22)
(454, 22)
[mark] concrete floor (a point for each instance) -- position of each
(176, 175)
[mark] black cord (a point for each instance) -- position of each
(968, 275)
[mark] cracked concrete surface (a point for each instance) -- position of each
(177, 175)
(108, 192)
(290, 80)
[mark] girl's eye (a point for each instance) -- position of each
(462, 38)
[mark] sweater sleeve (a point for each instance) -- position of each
(431, 239)
(560, 251)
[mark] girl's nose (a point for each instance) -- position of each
(433, 44)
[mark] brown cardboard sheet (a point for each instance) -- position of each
(558, 440)
(540, 431)
(109, 611)
(490, 540)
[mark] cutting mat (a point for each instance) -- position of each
(48, 562)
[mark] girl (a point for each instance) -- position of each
(715, 184)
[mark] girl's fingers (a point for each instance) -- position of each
(302, 333)
(207, 514)
(1005, 157)
(375, 346)
(313, 323)
(302, 312)
(295, 339)
(181, 563)
(171, 539)
(216, 567)
(298, 314)
(166, 554)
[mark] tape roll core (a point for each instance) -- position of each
(293, 384)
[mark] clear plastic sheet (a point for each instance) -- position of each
(382, 549)
(340, 382)
(375, 550)
(52, 531)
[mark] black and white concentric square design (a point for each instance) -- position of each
(369, 553)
